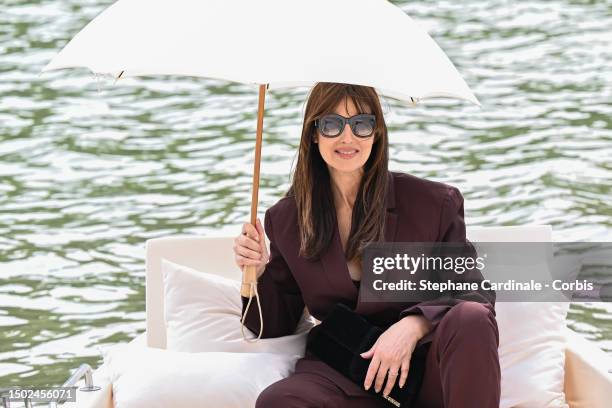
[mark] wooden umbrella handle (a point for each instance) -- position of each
(249, 272)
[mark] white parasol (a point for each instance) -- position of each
(271, 44)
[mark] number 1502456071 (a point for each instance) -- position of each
(36, 394)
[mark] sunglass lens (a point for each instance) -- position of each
(363, 127)
(330, 126)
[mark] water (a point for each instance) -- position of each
(90, 170)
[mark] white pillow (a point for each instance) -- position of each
(532, 353)
(203, 310)
(531, 334)
(144, 377)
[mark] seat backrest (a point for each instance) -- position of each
(523, 233)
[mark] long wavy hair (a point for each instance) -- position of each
(311, 184)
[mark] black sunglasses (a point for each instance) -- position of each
(331, 125)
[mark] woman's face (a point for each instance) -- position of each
(357, 149)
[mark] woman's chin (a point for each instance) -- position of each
(345, 167)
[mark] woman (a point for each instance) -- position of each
(343, 196)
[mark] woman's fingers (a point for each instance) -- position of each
(248, 241)
(404, 371)
(380, 376)
(249, 230)
(248, 253)
(242, 261)
(392, 376)
(372, 369)
(249, 247)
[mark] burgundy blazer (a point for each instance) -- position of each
(418, 210)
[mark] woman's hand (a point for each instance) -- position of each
(250, 248)
(392, 352)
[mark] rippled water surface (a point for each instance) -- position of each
(89, 170)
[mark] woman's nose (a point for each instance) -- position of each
(347, 133)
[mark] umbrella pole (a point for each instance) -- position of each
(249, 273)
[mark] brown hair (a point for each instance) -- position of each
(311, 184)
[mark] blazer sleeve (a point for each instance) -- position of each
(280, 297)
(452, 229)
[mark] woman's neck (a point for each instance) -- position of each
(345, 187)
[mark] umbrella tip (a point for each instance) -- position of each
(45, 68)
(48, 67)
(118, 76)
(475, 100)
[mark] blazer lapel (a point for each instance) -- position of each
(336, 269)
(370, 308)
(333, 261)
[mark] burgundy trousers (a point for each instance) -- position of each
(462, 371)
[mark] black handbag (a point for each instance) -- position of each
(340, 339)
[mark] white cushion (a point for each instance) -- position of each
(144, 377)
(202, 313)
(531, 334)
(532, 353)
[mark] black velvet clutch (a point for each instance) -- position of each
(340, 338)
